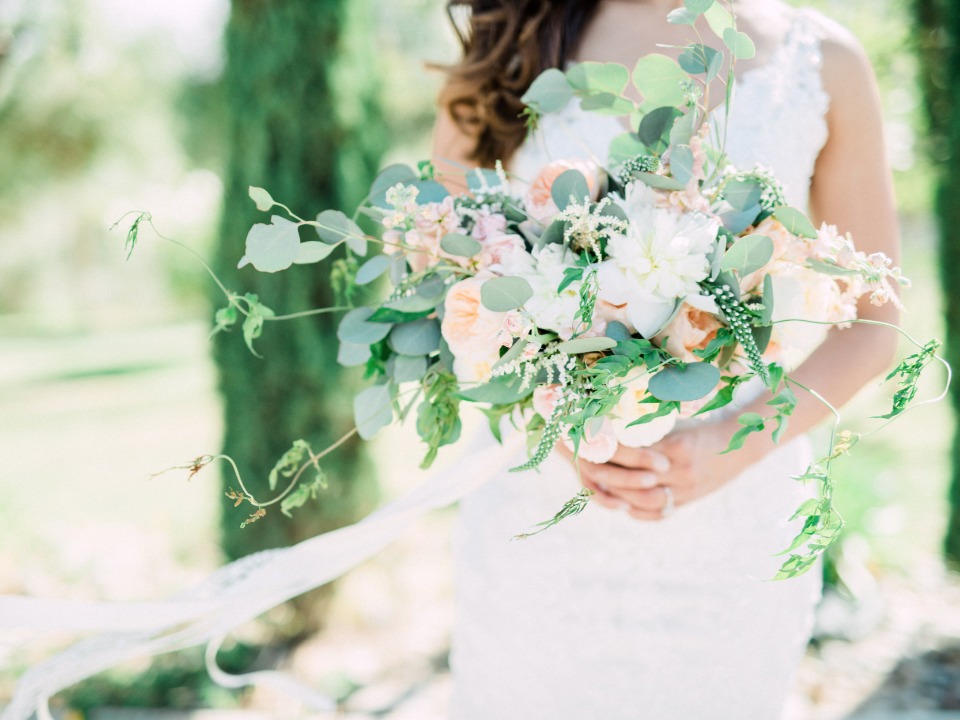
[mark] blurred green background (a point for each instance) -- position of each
(108, 106)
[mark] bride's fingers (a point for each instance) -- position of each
(642, 458)
(616, 477)
(651, 501)
(600, 495)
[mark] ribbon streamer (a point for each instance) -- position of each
(230, 596)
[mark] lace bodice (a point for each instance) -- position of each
(777, 119)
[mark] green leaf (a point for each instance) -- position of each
(748, 254)
(723, 398)
(373, 410)
(681, 164)
(430, 191)
(570, 276)
(663, 409)
(335, 227)
(739, 43)
(605, 103)
(273, 247)
(409, 368)
(353, 355)
(553, 234)
(578, 346)
(515, 351)
(681, 16)
(795, 222)
(742, 193)
(701, 59)
(389, 315)
(697, 6)
(503, 294)
(312, 251)
(618, 331)
(660, 182)
(659, 80)
(766, 315)
(420, 337)
(829, 268)
(736, 221)
(654, 131)
(372, 269)
(682, 130)
(500, 391)
(386, 179)
(684, 383)
(719, 19)
(625, 147)
(261, 197)
(481, 179)
(598, 77)
(549, 92)
(460, 245)
(751, 419)
(570, 187)
(356, 328)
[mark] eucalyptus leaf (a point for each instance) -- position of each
(388, 315)
(660, 182)
(430, 191)
(660, 81)
(684, 383)
(515, 351)
(481, 179)
(829, 268)
(739, 44)
(570, 187)
(654, 131)
(420, 337)
(312, 251)
(748, 254)
(460, 245)
(736, 221)
(261, 197)
(761, 336)
(503, 294)
(553, 234)
(742, 193)
(605, 103)
(683, 128)
(356, 328)
(373, 410)
(372, 269)
(578, 346)
(681, 163)
(599, 77)
(549, 92)
(386, 179)
(698, 6)
(352, 354)
(681, 16)
(719, 19)
(409, 368)
(766, 315)
(795, 222)
(618, 331)
(334, 227)
(503, 390)
(625, 147)
(273, 247)
(699, 59)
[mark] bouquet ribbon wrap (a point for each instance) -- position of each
(230, 596)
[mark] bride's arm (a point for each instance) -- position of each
(852, 189)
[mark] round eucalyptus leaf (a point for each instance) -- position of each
(660, 80)
(273, 247)
(430, 191)
(739, 43)
(742, 193)
(373, 410)
(605, 103)
(660, 182)
(420, 337)
(334, 227)
(503, 294)
(625, 147)
(748, 254)
(795, 222)
(352, 355)
(261, 197)
(654, 130)
(599, 77)
(356, 328)
(372, 269)
(312, 251)
(681, 16)
(683, 383)
(479, 179)
(697, 6)
(570, 187)
(617, 331)
(681, 163)
(549, 92)
(460, 245)
(408, 368)
(578, 346)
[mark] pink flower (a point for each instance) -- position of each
(597, 446)
(489, 224)
(545, 399)
(474, 333)
(692, 329)
(540, 203)
(786, 246)
(502, 251)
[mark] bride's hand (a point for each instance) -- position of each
(687, 462)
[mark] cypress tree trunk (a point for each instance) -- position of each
(938, 40)
(303, 124)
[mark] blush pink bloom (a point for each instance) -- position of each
(539, 199)
(501, 250)
(474, 333)
(597, 446)
(692, 329)
(489, 224)
(786, 247)
(545, 399)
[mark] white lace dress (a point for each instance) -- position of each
(607, 618)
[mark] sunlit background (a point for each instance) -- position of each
(108, 107)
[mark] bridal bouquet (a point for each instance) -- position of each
(591, 305)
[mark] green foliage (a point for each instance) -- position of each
(909, 372)
(502, 294)
(438, 416)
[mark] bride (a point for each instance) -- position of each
(656, 601)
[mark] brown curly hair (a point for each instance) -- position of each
(506, 44)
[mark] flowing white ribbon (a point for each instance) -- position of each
(230, 596)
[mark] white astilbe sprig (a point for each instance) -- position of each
(553, 367)
(587, 224)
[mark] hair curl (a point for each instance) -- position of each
(506, 45)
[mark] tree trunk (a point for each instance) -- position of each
(303, 124)
(938, 44)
